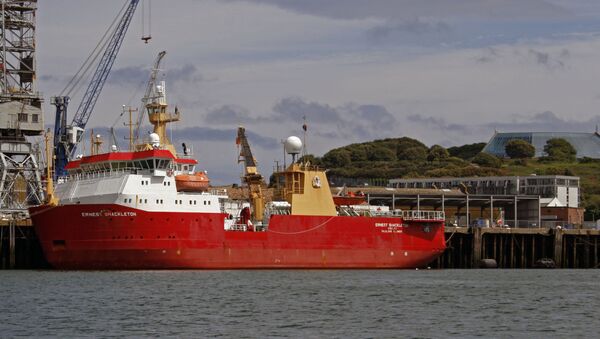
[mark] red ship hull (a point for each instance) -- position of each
(117, 237)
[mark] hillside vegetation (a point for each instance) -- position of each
(410, 158)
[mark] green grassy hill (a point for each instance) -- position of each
(380, 160)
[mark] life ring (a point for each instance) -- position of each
(316, 182)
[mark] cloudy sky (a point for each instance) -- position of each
(445, 72)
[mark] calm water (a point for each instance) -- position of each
(302, 303)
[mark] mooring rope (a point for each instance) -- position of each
(44, 210)
(304, 231)
(451, 235)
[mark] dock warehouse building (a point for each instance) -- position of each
(557, 197)
(586, 144)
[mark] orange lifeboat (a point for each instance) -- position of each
(350, 198)
(197, 182)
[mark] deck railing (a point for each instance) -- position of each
(246, 228)
(420, 215)
(406, 215)
(98, 174)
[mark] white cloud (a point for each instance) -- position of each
(250, 58)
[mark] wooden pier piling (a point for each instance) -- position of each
(520, 247)
(19, 247)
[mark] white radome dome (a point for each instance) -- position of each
(293, 145)
(154, 138)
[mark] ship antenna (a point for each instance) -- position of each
(283, 146)
(304, 128)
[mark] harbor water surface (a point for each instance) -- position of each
(301, 303)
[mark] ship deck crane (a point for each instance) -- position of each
(66, 137)
(251, 177)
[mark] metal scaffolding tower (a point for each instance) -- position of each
(21, 113)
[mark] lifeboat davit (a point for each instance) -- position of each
(197, 182)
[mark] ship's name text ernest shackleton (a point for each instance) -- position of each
(107, 214)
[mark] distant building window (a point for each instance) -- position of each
(34, 118)
(22, 117)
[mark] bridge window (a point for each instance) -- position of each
(22, 117)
